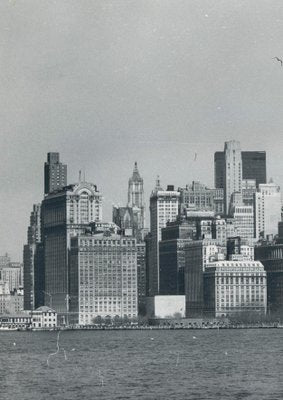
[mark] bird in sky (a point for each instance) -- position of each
(278, 59)
(195, 158)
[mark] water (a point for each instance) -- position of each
(199, 364)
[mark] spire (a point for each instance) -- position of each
(136, 175)
(157, 184)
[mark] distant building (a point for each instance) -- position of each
(244, 221)
(254, 166)
(44, 317)
(234, 287)
(103, 276)
(12, 273)
(197, 255)
(233, 165)
(175, 236)
(198, 197)
(11, 303)
(64, 214)
(166, 307)
(271, 256)
(30, 249)
(164, 206)
(131, 218)
(55, 174)
(267, 210)
(141, 276)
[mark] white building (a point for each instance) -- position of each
(103, 276)
(244, 221)
(166, 306)
(43, 317)
(267, 210)
(235, 286)
(233, 171)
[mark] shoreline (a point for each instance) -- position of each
(139, 328)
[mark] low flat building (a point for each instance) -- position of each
(166, 307)
(233, 287)
(15, 321)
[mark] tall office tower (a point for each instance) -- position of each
(12, 275)
(55, 173)
(136, 193)
(64, 214)
(131, 219)
(233, 172)
(164, 206)
(33, 238)
(103, 272)
(234, 287)
(254, 166)
(141, 277)
(199, 197)
(175, 236)
(198, 254)
(267, 210)
(271, 256)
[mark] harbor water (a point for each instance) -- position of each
(150, 364)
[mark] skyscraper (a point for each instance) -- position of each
(33, 239)
(136, 193)
(65, 213)
(55, 173)
(233, 172)
(164, 206)
(267, 210)
(254, 166)
(103, 271)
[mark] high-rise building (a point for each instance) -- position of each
(271, 256)
(131, 219)
(33, 239)
(233, 172)
(55, 173)
(254, 166)
(267, 210)
(64, 214)
(103, 276)
(164, 206)
(136, 194)
(198, 254)
(175, 236)
(232, 287)
(228, 173)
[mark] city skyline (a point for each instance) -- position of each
(160, 86)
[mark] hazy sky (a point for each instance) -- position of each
(107, 83)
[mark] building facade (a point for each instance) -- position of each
(55, 173)
(103, 277)
(65, 214)
(267, 210)
(233, 287)
(271, 256)
(33, 239)
(164, 205)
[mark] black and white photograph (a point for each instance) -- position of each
(141, 234)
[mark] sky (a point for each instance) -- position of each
(108, 83)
